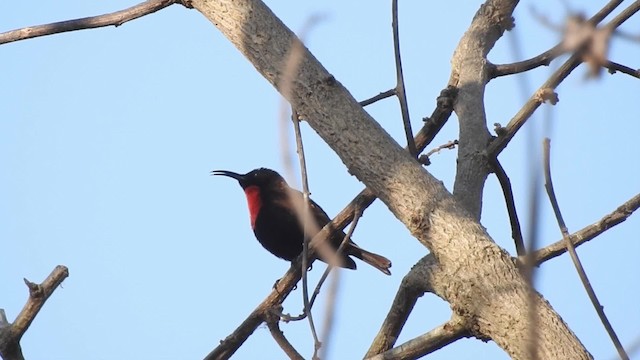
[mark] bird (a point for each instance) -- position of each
(274, 211)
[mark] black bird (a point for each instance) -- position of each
(275, 220)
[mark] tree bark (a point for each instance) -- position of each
(477, 278)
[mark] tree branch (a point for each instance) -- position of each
(443, 335)
(400, 89)
(505, 184)
(574, 255)
(508, 132)
(10, 334)
(415, 197)
(115, 18)
(546, 57)
(273, 323)
(588, 233)
(614, 67)
(470, 73)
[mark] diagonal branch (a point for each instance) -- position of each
(115, 18)
(273, 323)
(443, 335)
(10, 334)
(574, 255)
(588, 233)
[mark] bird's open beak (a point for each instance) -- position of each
(230, 174)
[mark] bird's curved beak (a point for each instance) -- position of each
(230, 174)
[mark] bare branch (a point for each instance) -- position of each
(422, 345)
(273, 323)
(10, 334)
(382, 95)
(412, 287)
(400, 89)
(574, 256)
(615, 67)
(115, 18)
(543, 59)
(307, 222)
(500, 143)
(546, 57)
(590, 232)
(505, 184)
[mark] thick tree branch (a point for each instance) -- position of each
(414, 196)
(470, 73)
(10, 334)
(481, 276)
(115, 18)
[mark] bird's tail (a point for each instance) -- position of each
(377, 261)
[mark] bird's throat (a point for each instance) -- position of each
(254, 202)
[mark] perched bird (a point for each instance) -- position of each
(275, 208)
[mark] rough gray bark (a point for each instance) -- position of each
(474, 275)
(470, 74)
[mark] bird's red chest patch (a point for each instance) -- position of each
(254, 202)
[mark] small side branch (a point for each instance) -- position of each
(443, 335)
(588, 233)
(400, 89)
(10, 334)
(543, 59)
(505, 184)
(115, 18)
(382, 95)
(574, 256)
(615, 67)
(273, 323)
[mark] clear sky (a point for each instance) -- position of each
(107, 138)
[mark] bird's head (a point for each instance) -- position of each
(263, 178)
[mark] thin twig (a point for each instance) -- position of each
(382, 95)
(615, 67)
(505, 184)
(356, 217)
(574, 256)
(331, 297)
(305, 226)
(400, 89)
(588, 233)
(115, 18)
(425, 159)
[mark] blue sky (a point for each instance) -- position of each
(107, 137)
